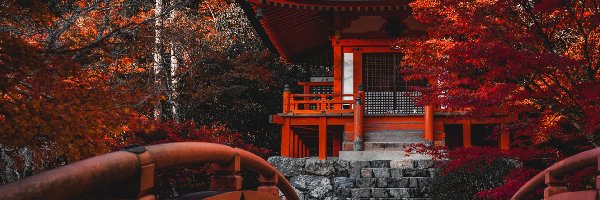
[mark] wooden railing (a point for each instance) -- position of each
(130, 174)
(554, 178)
(321, 103)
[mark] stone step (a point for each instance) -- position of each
(381, 155)
(394, 136)
(376, 126)
(403, 193)
(389, 146)
(395, 172)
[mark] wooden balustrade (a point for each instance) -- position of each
(319, 103)
(130, 174)
(554, 178)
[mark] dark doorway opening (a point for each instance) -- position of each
(482, 135)
(454, 135)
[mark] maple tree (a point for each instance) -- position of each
(78, 75)
(540, 59)
(537, 59)
(62, 94)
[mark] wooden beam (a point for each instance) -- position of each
(314, 84)
(276, 119)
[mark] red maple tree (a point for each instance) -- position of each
(540, 59)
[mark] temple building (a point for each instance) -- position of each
(365, 108)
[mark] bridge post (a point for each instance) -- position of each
(554, 185)
(226, 176)
(268, 185)
(147, 167)
(140, 185)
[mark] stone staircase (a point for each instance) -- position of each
(386, 145)
(392, 140)
(337, 179)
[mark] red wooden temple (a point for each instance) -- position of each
(365, 105)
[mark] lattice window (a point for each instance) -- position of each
(385, 89)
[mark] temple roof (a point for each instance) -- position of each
(300, 30)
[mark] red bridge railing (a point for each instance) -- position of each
(554, 178)
(131, 173)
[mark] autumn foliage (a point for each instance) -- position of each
(52, 98)
(79, 78)
(537, 59)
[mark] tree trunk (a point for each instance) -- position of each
(174, 80)
(8, 173)
(158, 61)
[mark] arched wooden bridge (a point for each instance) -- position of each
(131, 174)
(554, 179)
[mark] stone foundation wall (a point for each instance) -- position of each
(335, 179)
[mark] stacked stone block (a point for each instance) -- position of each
(336, 179)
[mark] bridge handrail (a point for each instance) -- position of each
(85, 176)
(560, 169)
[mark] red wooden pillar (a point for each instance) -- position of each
(296, 148)
(467, 134)
(359, 111)
(323, 138)
(504, 137)
(285, 138)
(306, 151)
(429, 123)
(337, 144)
(286, 128)
(306, 91)
(337, 70)
(286, 99)
(302, 149)
(292, 143)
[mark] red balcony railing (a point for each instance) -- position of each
(321, 103)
